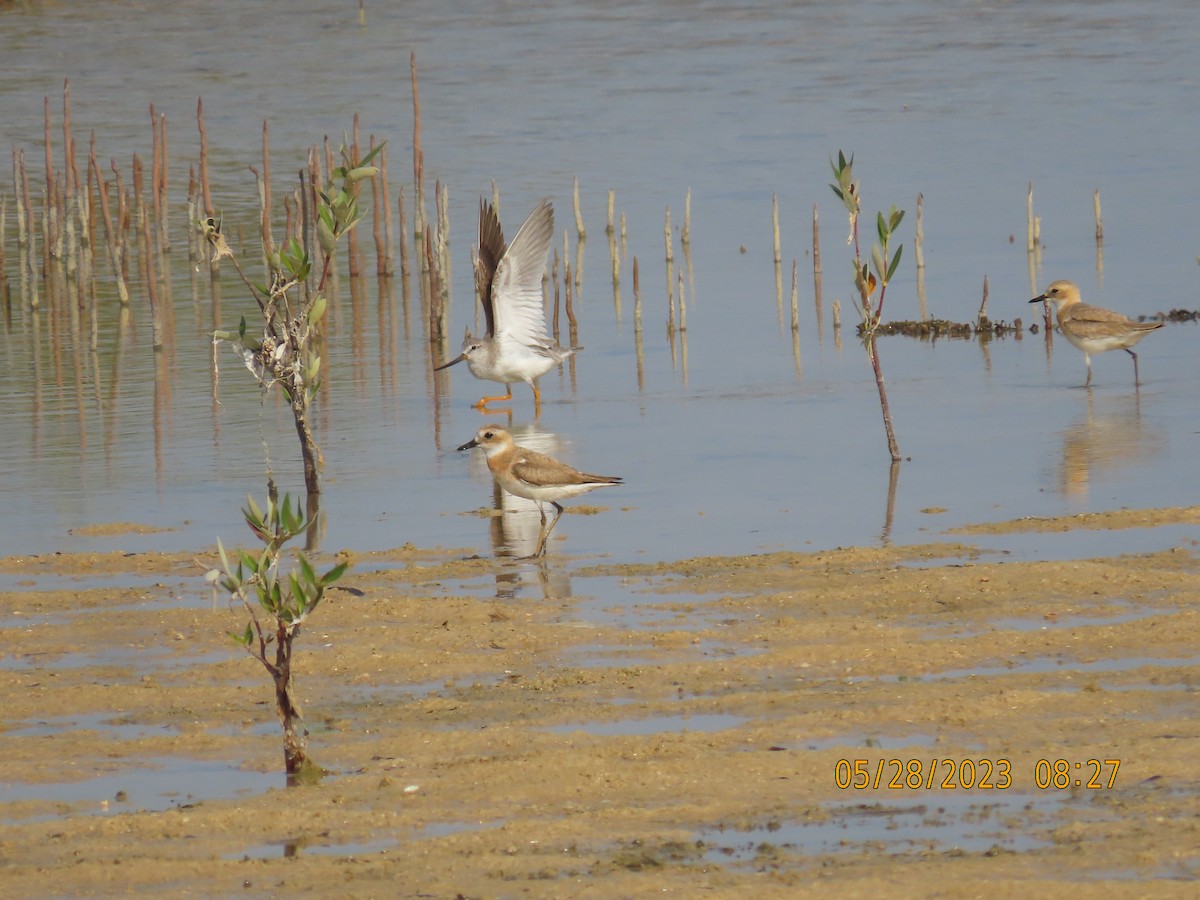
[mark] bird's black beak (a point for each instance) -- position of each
(472, 442)
(1038, 299)
(447, 365)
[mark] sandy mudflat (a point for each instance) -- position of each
(690, 744)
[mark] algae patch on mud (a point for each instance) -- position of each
(1108, 521)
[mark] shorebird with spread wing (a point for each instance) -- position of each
(515, 346)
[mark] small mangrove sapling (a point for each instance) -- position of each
(869, 276)
(277, 604)
(285, 351)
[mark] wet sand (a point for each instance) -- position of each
(907, 721)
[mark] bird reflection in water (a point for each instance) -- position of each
(1110, 439)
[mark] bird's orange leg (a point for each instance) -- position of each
(484, 401)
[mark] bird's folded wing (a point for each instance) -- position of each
(534, 468)
(1084, 313)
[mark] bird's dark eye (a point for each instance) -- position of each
(488, 435)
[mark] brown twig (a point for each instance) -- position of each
(144, 246)
(404, 235)
(685, 235)
(580, 230)
(418, 158)
(193, 233)
(205, 191)
(268, 239)
(352, 250)
(614, 255)
(569, 308)
(795, 296)
(48, 218)
(111, 236)
(637, 298)
(442, 206)
(670, 260)
(384, 201)
(682, 304)
(436, 317)
(5, 299)
(161, 188)
(554, 278)
(68, 213)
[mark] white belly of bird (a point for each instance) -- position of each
(1107, 342)
(511, 367)
(527, 367)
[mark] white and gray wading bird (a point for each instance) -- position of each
(1092, 329)
(515, 346)
(534, 476)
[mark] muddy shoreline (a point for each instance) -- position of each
(707, 738)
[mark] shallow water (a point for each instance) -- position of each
(153, 784)
(732, 445)
(940, 823)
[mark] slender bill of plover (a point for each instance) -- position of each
(534, 476)
(515, 345)
(1092, 329)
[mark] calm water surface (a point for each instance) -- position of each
(730, 441)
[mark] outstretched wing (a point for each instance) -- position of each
(491, 251)
(516, 288)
